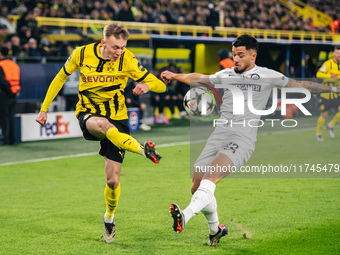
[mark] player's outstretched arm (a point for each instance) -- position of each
(313, 87)
(42, 118)
(192, 79)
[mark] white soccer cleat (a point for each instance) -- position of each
(109, 232)
(319, 138)
(330, 130)
(145, 127)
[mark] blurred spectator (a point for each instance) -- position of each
(52, 13)
(293, 73)
(35, 52)
(16, 47)
(88, 7)
(8, 45)
(335, 24)
(309, 69)
(134, 101)
(156, 13)
(158, 102)
(9, 90)
(190, 18)
(3, 34)
(225, 59)
(63, 50)
(136, 10)
(171, 14)
(213, 18)
(104, 15)
(95, 14)
(328, 7)
(172, 98)
(25, 34)
(181, 89)
(125, 13)
(4, 21)
(265, 14)
(28, 19)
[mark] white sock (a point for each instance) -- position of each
(188, 214)
(108, 220)
(201, 198)
(210, 213)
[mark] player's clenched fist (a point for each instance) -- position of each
(167, 76)
(140, 89)
(42, 117)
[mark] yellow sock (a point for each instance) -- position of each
(336, 119)
(320, 123)
(124, 141)
(111, 198)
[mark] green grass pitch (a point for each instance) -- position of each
(57, 206)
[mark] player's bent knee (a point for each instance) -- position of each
(104, 124)
(324, 114)
(195, 185)
(112, 182)
(193, 189)
(99, 126)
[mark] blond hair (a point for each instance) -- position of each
(117, 30)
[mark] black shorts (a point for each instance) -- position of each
(107, 149)
(327, 104)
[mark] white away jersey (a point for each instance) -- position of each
(259, 80)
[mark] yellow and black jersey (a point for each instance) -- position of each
(325, 71)
(102, 82)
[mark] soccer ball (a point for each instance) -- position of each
(199, 101)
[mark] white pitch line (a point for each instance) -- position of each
(82, 155)
(286, 131)
(158, 146)
(49, 158)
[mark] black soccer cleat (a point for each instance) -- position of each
(150, 152)
(178, 217)
(215, 239)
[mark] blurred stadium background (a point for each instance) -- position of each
(295, 37)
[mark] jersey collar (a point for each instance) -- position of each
(96, 47)
(251, 70)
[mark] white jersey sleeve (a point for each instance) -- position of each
(217, 77)
(277, 78)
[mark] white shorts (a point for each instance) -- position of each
(238, 146)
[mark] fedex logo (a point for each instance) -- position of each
(55, 128)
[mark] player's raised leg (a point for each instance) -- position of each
(203, 199)
(176, 213)
(100, 127)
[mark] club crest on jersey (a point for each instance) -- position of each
(255, 76)
(140, 67)
(110, 67)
